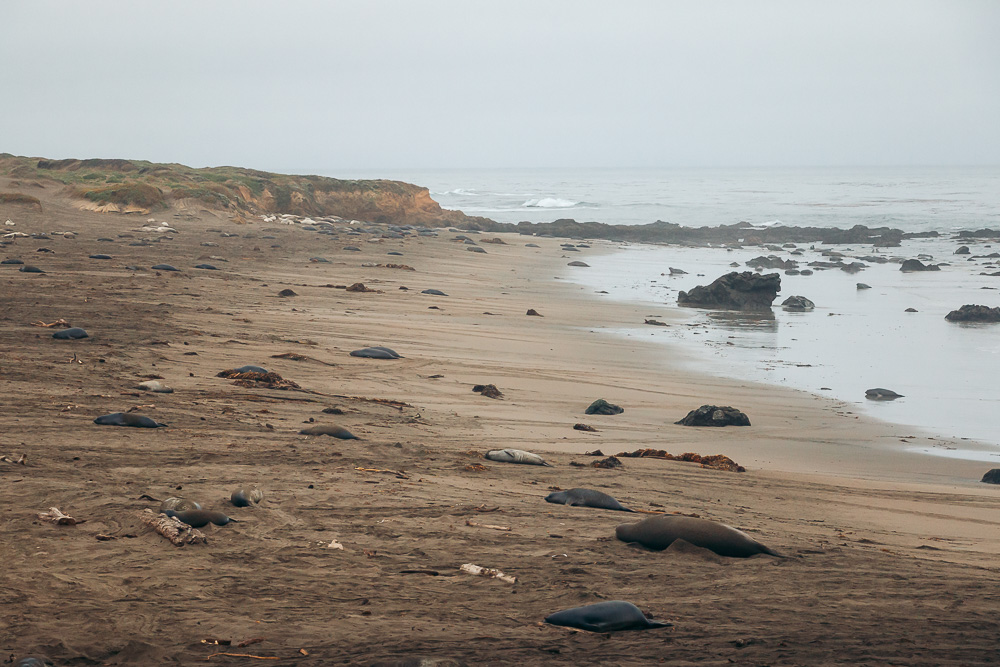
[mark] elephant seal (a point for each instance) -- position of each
(206, 267)
(434, 292)
(27, 268)
(249, 369)
(164, 267)
(516, 456)
(880, 394)
(33, 661)
(100, 257)
(586, 498)
(377, 352)
(200, 518)
(612, 616)
(178, 505)
(127, 419)
(329, 429)
(155, 386)
(12, 261)
(73, 333)
(246, 498)
(659, 532)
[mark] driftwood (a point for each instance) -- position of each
(398, 473)
(488, 572)
(54, 515)
(51, 325)
(295, 356)
(22, 459)
(470, 522)
(399, 405)
(174, 530)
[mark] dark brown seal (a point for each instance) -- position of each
(611, 616)
(659, 532)
(329, 429)
(200, 518)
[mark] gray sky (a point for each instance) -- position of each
(321, 85)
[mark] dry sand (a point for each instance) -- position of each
(892, 555)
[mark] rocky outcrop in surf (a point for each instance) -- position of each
(734, 291)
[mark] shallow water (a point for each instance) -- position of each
(854, 340)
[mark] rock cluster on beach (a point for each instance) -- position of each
(746, 291)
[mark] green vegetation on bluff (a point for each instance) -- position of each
(239, 191)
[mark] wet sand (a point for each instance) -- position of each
(892, 555)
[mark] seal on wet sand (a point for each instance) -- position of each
(586, 498)
(659, 532)
(200, 518)
(516, 456)
(329, 429)
(164, 267)
(880, 394)
(27, 268)
(178, 504)
(73, 333)
(612, 616)
(250, 368)
(377, 352)
(127, 419)
(246, 497)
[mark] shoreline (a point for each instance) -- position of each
(367, 536)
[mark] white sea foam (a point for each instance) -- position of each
(550, 202)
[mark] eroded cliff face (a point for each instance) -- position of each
(126, 186)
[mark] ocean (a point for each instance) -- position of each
(855, 339)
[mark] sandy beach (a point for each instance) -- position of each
(354, 555)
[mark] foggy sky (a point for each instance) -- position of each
(320, 85)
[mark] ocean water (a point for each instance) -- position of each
(854, 339)
(913, 199)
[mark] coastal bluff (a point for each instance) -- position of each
(142, 187)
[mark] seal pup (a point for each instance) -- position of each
(127, 419)
(659, 532)
(206, 267)
(178, 504)
(377, 352)
(27, 268)
(329, 429)
(246, 498)
(612, 616)
(73, 333)
(164, 267)
(516, 456)
(12, 261)
(200, 518)
(880, 394)
(248, 369)
(586, 498)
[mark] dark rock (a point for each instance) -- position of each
(973, 313)
(655, 323)
(610, 463)
(797, 303)
(714, 415)
(734, 291)
(910, 310)
(488, 390)
(532, 311)
(992, 477)
(584, 427)
(287, 292)
(910, 265)
(880, 394)
(963, 250)
(772, 262)
(853, 267)
(602, 407)
(864, 286)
